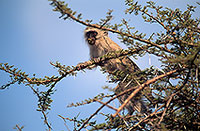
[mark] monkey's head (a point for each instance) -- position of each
(99, 42)
(93, 34)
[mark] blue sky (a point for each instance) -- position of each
(32, 35)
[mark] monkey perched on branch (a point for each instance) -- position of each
(123, 67)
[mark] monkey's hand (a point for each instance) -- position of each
(84, 65)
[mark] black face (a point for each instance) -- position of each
(91, 37)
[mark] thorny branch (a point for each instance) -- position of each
(136, 89)
(42, 110)
(156, 19)
(150, 115)
(66, 12)
(78, 67)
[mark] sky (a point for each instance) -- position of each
(32, 35)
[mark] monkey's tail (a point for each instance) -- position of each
(134, 105)
(139, 106)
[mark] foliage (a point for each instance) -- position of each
(175, 88)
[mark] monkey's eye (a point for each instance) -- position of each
(91, 34)
(106, 33)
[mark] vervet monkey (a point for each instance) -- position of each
(99, 44)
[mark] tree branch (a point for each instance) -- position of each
(136, 89)
(64, 11)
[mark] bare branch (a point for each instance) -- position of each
(18, 127)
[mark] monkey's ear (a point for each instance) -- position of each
(105, 33)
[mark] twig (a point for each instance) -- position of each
(42, 110)
(159, 22)
(167, 105)
(65, 122)
(18, 128)
(150, 115)
(111, 107)
(46, 120)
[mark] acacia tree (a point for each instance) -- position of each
(175, 87)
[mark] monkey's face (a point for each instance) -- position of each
(99, 42)
(92, 35)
